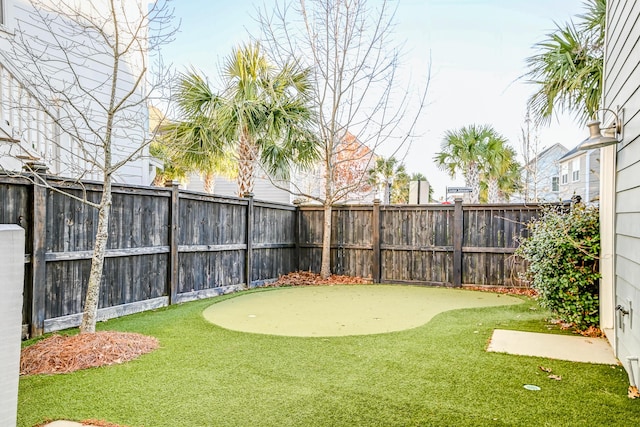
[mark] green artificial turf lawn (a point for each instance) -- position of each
(436, 374)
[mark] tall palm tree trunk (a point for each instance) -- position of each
(158, 179)
(472, 178)
(209, 182)
(493, 193)
(247, 156)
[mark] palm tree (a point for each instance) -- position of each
(500, 170)
(390, 175)
(510, 180)
(568, 67)
(263, 116)
(266, 115)
(463, 151)
(195, 143)
(499, 161)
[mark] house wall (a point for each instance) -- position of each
(262, 188)
(588, 184)
(29, 106)
(621, 83)
(540, 173)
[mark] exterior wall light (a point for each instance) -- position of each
(612, 134)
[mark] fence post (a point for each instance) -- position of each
(375, 242)
(174, 208)
(38, 263)
(457, 243)
(249, 254)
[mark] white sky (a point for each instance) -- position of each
(477, 48)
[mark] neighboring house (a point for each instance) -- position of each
(30, 113)
(542, 177)
(353, 159)
(580, 175)
(620, 189)
(263, 189)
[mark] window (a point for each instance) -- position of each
(565, 173)
(6, 16)
(555, 183)
(575, 170)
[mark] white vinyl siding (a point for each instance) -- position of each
(31, 112)
(575, 170)
(621, 84)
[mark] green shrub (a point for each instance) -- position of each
(563, 251)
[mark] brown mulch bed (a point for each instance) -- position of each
(59, 354)
(530, 292)
(306, 278)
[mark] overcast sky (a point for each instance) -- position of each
(477, 49)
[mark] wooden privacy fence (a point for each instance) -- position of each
(168, 245)
(448, 245)
(165, 246)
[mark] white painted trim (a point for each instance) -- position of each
(607, 240)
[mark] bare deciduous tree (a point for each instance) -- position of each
(349, 46)
(529, 145)
(85, 68)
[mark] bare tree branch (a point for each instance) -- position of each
(349, 46)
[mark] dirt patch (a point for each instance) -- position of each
(59, 354)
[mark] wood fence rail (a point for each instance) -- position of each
(168, 245)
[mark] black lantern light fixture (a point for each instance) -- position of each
(602, 137)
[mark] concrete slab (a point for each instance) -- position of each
(553, 346)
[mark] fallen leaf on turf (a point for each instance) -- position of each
(555, 377)
(543, 369)
(633, 392)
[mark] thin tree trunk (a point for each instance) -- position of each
(209, 182)
(90, 312)
(325, 269)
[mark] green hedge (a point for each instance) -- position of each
(563, 250)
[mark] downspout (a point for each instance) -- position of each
(633, 370)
